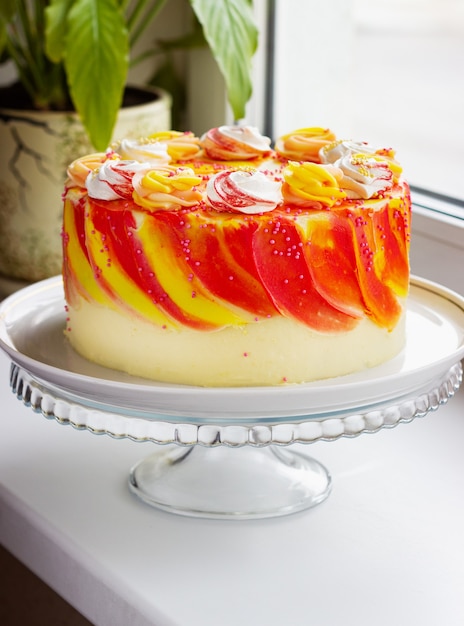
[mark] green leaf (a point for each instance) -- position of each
(231, 33)
(8, 9)
(56, 27)
(2, 40)
(96, 61)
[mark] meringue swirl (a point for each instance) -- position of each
(227, 143)
(113, 179)
(336, 150)
(243, 191)
(364, 176)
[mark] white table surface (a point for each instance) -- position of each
(386, 548)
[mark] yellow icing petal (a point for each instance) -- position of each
(168, 180)
(83, 276)
(118, 282)
(312, 181)
(165, 135)
(154, 180)
(167, 188)
(177, 280)
(180, 146)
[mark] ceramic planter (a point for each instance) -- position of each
(36, 148)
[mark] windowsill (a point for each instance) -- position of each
(439, 226)
(437, 249)
(68, 516)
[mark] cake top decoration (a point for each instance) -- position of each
(234, 168)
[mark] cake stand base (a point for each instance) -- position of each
(230, 483)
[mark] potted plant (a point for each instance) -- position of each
(74, 55)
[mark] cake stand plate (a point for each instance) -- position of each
(229, 459)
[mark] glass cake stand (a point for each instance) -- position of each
(226, 452)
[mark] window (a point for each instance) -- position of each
(389, 72)
(385, 71)
(414, 51)
(415, 48)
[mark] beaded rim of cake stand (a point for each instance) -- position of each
(309, 430)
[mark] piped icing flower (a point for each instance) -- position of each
(113, 179)
(334, 151)
(180, 146)
(167, 189)
(243, 191)
(312, 185)
(304, 144)
(157, 176)
(235, 143)
(82, 167)
(148, 149)
(364, 175)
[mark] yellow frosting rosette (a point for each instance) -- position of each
(166, 189)
(304, 144)
(180, 146)
(311, 184)
(79, 169)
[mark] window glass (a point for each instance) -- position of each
(409, 74)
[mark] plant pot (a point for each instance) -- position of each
(36, 148)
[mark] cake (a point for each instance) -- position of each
(223, 261)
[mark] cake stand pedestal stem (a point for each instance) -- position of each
(230, 483)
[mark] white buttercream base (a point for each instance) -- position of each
(269, 352)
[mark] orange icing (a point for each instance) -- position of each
(304, 144)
